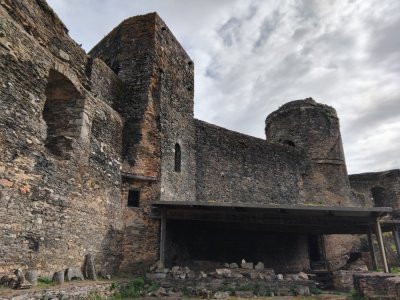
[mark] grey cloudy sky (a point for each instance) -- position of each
(251, 56)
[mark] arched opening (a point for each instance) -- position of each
(289, 143)
(62, 113)
(178, 158)
(378, 194)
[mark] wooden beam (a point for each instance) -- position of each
(381, 246)
(163, 231)
(372, 250)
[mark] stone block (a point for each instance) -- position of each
(247, 265)
(58, 277)
(73, 273)
(233, 266)
(244, 294)
(303, 276)
(224, 272)
(221, 295)
(259, 266)
(32, 277)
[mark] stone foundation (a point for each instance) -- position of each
(377, 285)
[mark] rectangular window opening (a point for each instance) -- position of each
(133, 198)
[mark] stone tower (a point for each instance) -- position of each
(156, 102)
(314, 129)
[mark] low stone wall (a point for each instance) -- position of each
(377, 285)
(73, 290)
(343, 280)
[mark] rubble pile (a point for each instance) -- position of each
(244, 280)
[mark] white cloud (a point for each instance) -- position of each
(252, 56)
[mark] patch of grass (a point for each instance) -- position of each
(395, 269)
(132, 289)
(44, 282)
(315, 291)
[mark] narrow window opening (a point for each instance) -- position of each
(133, 198)
(178, 158)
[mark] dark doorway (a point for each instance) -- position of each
(315, 252)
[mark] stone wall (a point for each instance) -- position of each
(60, 147)
(378, 188)
(157, 106)
(233, 167)
(377, 286)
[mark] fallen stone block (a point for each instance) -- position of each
(233, 266)
(58, 277)
(221, 295)
(244, 294)
(32, 277)
(247, 265)
(303, 276)
(22, 282)
(259, 266)
(72, 273)
(224, 272)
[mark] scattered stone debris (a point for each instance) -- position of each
(226, 280)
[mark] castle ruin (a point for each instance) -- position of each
(100, 153)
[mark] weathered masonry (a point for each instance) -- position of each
(100, 154)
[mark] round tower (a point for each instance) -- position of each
(314, 129)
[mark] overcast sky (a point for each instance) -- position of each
(251, 56)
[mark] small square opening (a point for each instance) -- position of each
(133, 198)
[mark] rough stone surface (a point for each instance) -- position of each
(58, 277)
(259, 266)
(343, 280)
(90, 269)
(378, 189)
(32, 277)
(73, 273)
(77, 291)
(377, 285)
(247, 265)
(89, 142)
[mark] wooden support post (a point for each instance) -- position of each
(372, 250)
(162, 236)
(396, 238)
(381, 245)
